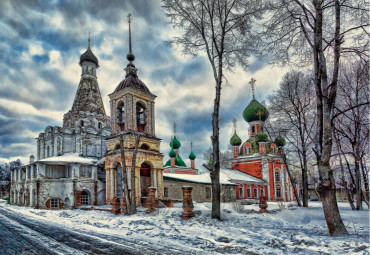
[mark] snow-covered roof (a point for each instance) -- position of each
(236, 175)
(70, 158)
(199, 178)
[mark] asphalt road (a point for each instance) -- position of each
(25, 235)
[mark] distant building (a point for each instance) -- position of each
(66, 172)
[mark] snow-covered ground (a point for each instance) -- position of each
(293, 230)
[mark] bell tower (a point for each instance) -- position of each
(132, 115)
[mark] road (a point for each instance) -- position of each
(20, 234)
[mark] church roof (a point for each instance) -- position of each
(89, 56)
(88, 97)
(133, 81)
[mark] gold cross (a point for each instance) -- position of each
(174, 128)
(89, 39)
(191, 145)
(252, 82)
(129, 17)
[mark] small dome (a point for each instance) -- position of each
(261, 137)
(192, 156)
(172, 154)
(175, 144)
(89, 56)
(235, 140)
(280, 141)
(253, 111)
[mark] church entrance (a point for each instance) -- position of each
(145, 180)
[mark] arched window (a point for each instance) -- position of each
(277, 176)
(140, 117)
(81, 123)
(48, 151)
(144, 147)
(121, 115)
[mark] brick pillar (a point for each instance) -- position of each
(236, 151)
(192, 163)
(172, 162)
(151, 203)
(116, 202)
(187, 203)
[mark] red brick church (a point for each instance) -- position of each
(259, 159)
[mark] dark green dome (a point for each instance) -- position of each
(178, 162)
(175, 144)
(253, 111)
(261, 137)
(192, 156)
(235, 140)
(172, 153)
(280, 141)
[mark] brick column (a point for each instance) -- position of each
(187, 203)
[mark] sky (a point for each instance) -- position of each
(40, 46)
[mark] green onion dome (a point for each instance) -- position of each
(253, 111)
(178, 162)
(172, 153)
(280, 141)
(175, 144)
(192, 156)
(235, 140)
(261, 137)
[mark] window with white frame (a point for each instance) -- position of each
(277, 176)
(241, 191)
(249, 195)
(255, 191)
(278, 192)
(262, 192)
(54, 203)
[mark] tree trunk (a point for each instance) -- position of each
(366, 182)
(291, 180)
(305, 179)
(133, 176)
(215, 173)
(358, 185)
(124, 175)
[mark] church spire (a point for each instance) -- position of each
(89, 42)
(130, 56)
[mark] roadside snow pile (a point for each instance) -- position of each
(290, 231)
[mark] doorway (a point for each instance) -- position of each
(145, 179)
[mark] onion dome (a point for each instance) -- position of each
(132, 81)
(235, 140)
(280, 141)
(89, 56)
(192, 156)
(261, 137)
(255, 111)
(172, 154)
(178, 162)
(175, 144)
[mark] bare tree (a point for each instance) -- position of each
(294, 112)
(223, 29)
(130, 200)
(317, 33)
(352, 119)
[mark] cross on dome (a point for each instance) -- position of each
(252, 83)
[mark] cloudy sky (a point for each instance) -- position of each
(40, 46)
